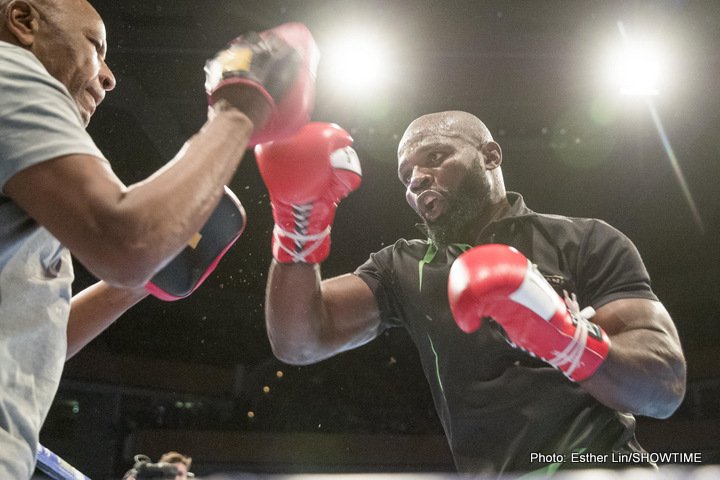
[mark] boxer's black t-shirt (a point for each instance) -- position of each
(497, 404)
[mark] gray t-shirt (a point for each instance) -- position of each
(39, 122)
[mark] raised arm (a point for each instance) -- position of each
(308, 319)
(125, 234)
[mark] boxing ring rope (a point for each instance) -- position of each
(55, 467)
(670, 472)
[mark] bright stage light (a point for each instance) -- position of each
(637, 71)
(637, 67)
(357, 62)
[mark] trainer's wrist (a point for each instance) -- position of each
(226, 112)
(246, 99)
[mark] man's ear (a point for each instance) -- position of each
(492, 154)
(22, 21)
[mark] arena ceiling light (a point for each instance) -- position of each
(356, 61)
(637, 67)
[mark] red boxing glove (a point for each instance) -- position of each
(307, 175)
(497, 281)
(281, 63)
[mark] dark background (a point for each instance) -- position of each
(198, 376)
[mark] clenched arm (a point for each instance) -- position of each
(644, 372)
(309, 320)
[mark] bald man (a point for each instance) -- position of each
(504, 404)
(59, 195)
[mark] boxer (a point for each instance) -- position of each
(519, 376)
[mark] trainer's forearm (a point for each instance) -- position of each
(179, 198)
(294, 313)
(152, 220)
(96, 308)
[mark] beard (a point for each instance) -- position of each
(465, 207)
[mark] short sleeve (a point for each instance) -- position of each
(377, 273)
(39, 118)
(610, 267)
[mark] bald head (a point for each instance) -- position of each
(53, 7)
(453, 124)
(68, 38)
(453, 156)
(54, 13)
(62, 10)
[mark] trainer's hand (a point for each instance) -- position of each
(189, 269)
(499, 282)
(306, 176)
(270, 72)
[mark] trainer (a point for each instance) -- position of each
(539, 334)
(59, 195)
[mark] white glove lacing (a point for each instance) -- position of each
(305, 244)
(573, 352)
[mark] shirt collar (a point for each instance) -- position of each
(517, 209)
